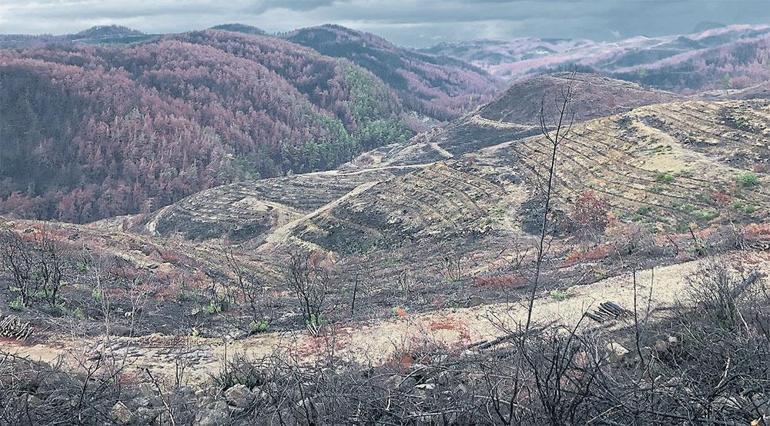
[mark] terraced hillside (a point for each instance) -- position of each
(596, 96)
(515, 115)
(666, 165)
(252, 210)
(439, 202)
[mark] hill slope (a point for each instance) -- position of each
(437, 86)
(735, 65)
(92, 132)
(666, 167)
(515, 115)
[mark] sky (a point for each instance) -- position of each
(414, 23)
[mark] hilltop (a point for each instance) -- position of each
(240, 28)
(437, 86)
(106, 32)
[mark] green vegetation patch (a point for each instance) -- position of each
(747, 179)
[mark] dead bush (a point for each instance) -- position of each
(35, 267)
(308, 275)
(590, 215)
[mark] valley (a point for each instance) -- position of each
(318, 226)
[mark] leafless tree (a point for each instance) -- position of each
(309, 280)
(36, 266)
(18, 261)
(555, 133)
(253, 290)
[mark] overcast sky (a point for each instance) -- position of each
(405, 22)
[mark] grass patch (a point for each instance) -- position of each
(747, 179)
(16, 305)
(706, 215)
(665, 178)
(559, 295)
(745, 208)
(261, 326)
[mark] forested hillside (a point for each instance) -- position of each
(437, 86)
(92, 131)
(735, 65)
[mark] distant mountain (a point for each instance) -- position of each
(733, 65)
(670, 62)
(488, 54)
(239, 28)
(96, 131)
(436, 86)
(103, 34)
(106, 31)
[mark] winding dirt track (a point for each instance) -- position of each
(375, 343)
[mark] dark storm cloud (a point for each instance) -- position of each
(409, 22)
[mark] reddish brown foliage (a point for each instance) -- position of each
(757, 232)
(591, 255)
(97, 132)
(590, 214)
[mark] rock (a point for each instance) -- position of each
(661, 347)
(212, 418)
(239, 396)
(475, 301)
(147, 416)
(33, 401)
(147, 401)
(666, 346)
(120, 330)
(617, 352)
(121, 414)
